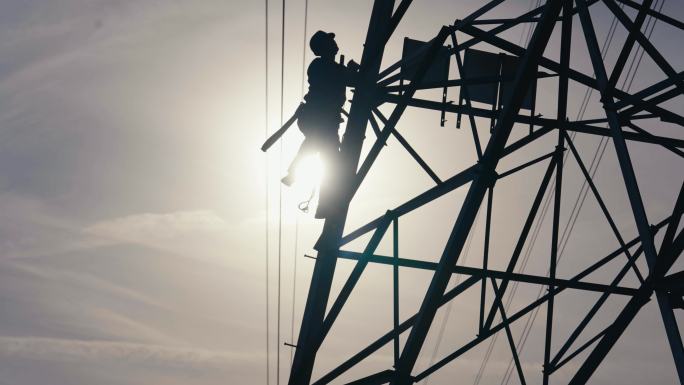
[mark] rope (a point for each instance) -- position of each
(268, 350)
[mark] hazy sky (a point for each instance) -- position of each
(132, 196)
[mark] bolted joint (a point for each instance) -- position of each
(653, 229)
(651, 285)
(608, 103)
(624, 119)
(489, 176)
(558, 153)
(391, 215)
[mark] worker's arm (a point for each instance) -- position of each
(351, 73)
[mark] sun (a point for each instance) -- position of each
(310, 173)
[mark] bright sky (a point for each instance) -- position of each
(132, 196)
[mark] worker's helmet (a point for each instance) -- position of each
(320, 40)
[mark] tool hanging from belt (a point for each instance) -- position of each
(274, 138)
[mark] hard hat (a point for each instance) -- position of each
(319, 40)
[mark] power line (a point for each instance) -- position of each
(530, 30)
(579, 202)
(535, 232)
(296, 236)
(268, 350)
(306, 22)
(523, 31)
(294, 285)
(598, 156)
(442, 327)
(537, 229)
(280, 187)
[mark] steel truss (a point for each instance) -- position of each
(622, 110)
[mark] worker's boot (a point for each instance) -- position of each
(288, 180)
(324, 210)
(328, 204)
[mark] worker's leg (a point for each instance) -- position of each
(305, 149)
(329, 150)
(330, 155)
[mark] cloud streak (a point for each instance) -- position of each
(149, 227)
(201, 234)
(68, 350)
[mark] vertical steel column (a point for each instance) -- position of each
(507, 327)
(476, 193)
(631, 309)
(536, 203)
(485, 257)
(672, 331)
(664, 263)
(629, 44)
(566, 35)
(616, 132)
(395, 281)
(319, 290)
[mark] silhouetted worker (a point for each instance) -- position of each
(320, 117)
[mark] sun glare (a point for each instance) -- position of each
(310, 172)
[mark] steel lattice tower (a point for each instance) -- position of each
(625, 113)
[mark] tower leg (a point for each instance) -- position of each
(311, 328)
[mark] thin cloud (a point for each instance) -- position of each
(199, 234)
(68, 350)
(141, 228)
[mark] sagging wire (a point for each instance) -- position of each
(598, 156)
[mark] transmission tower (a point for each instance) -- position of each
(502, 74)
